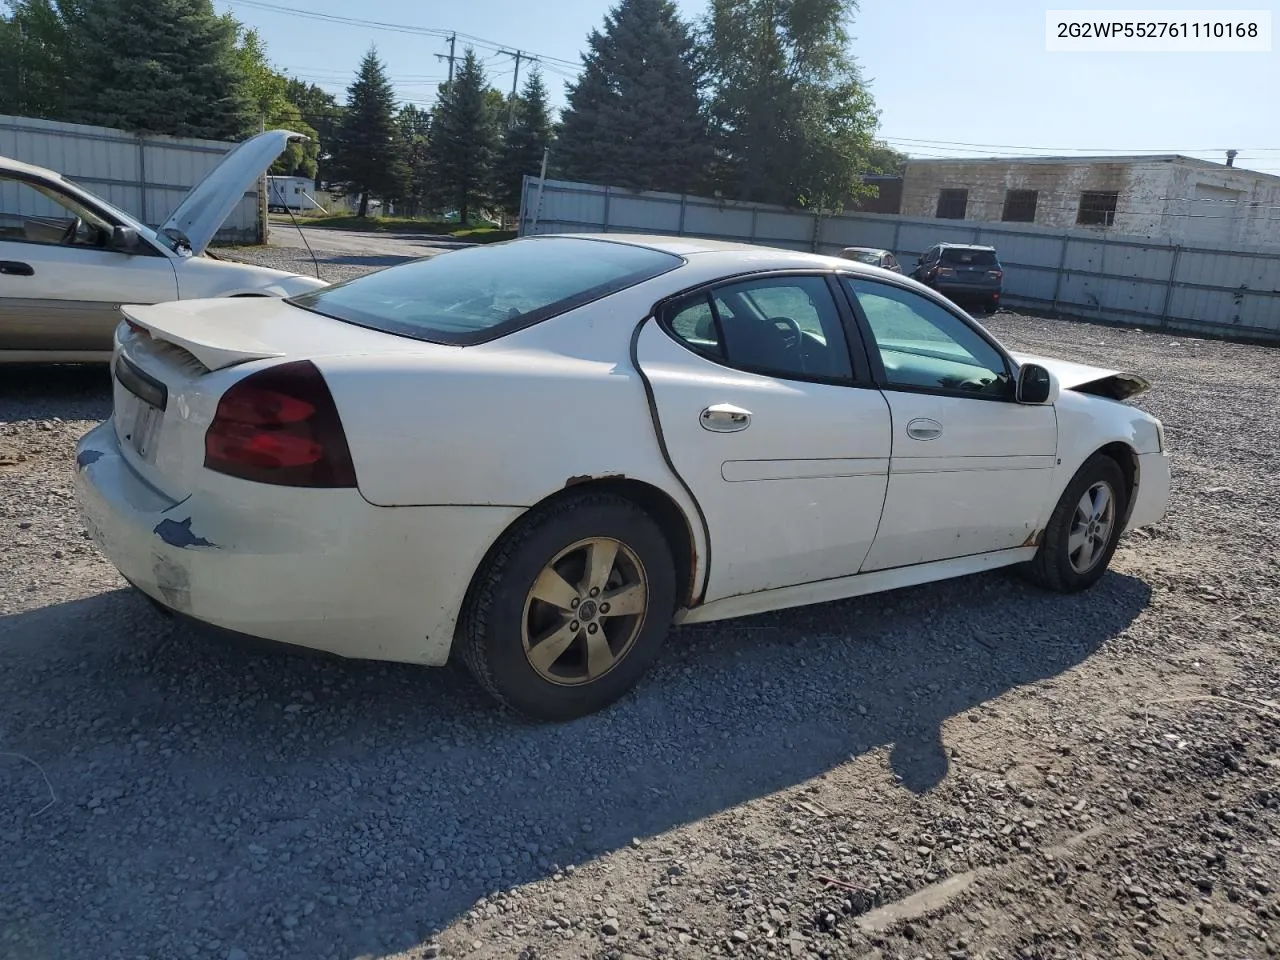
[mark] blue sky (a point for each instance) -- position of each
(950, 79)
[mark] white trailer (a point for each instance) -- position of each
(291, 193)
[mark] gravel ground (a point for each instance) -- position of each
(970, 769)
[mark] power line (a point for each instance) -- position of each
(452, 35)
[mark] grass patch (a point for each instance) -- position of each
(474, 234)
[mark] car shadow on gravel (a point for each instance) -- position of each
(298, 805)
(48, 391)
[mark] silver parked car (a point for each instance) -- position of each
(873, 256)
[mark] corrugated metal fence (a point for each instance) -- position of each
(147, 177)
(1226, 292)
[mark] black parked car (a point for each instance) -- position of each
(962, 272)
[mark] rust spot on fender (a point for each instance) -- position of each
(587, 478)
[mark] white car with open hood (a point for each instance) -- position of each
(68, 259)
(540, 454)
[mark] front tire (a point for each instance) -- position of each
(1083, 530)
(570, 608)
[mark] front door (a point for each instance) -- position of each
(60, 287)
(781, 438)
(971, 468)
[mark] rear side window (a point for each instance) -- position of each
(778, 326)
(481, 293)
(969, 258)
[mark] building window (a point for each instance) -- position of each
(1020, 206)
(952, 204)
(1097, 208)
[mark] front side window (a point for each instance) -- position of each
(480, 293)
(32, 212)
(926, 347)
(779, 326)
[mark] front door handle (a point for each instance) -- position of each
(16, 268)
(924, 429)
(724, 418)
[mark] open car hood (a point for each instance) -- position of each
(210, 202)
(1083, 378)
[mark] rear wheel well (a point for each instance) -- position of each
(652, 500)
(1127, 461)
(665, 512)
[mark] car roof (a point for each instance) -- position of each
(709, 252)
(868, 249)
(966, 246)
(680, 246)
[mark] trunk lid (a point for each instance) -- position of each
(203, 210)
(173, 361)
(1083, 378)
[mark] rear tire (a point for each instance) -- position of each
(537, 630)
(1083, 530)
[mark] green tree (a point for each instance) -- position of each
(464, 140)
(368, 149)
(413, 126)
(523, 143)
(158, 66)
(634, 117)
(884, 159)
(321, 111)
(268, 93)
(37, 56)
(793, 119)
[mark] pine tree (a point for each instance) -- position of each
(368, 155)
(159, 66)
(37, 57)
(463, 140)
(524, 142)
(634, 118)
(792, 117)
(413, 125)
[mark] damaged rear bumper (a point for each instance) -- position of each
(321, 568)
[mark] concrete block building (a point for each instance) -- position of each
(1167, 197)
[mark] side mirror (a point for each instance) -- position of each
(1036, 385)
(124, 240)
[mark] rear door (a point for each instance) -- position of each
(773, 426)
(60, 288)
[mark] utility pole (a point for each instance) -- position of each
(453, 39)
(515, 81)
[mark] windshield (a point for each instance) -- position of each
(480, 293)
(969, 258)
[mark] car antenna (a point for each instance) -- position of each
(314, 262)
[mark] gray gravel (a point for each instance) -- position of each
(1096, 775)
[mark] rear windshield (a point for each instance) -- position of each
(969, 258)
(481, 293)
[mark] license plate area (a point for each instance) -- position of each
(140, 415)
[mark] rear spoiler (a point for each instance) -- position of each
(216, 345)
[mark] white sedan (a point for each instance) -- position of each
(68, 258)
(541, 454)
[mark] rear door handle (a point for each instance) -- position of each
(924, 429)
(724, 418)
(16, 268)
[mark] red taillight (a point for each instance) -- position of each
(280, 426)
